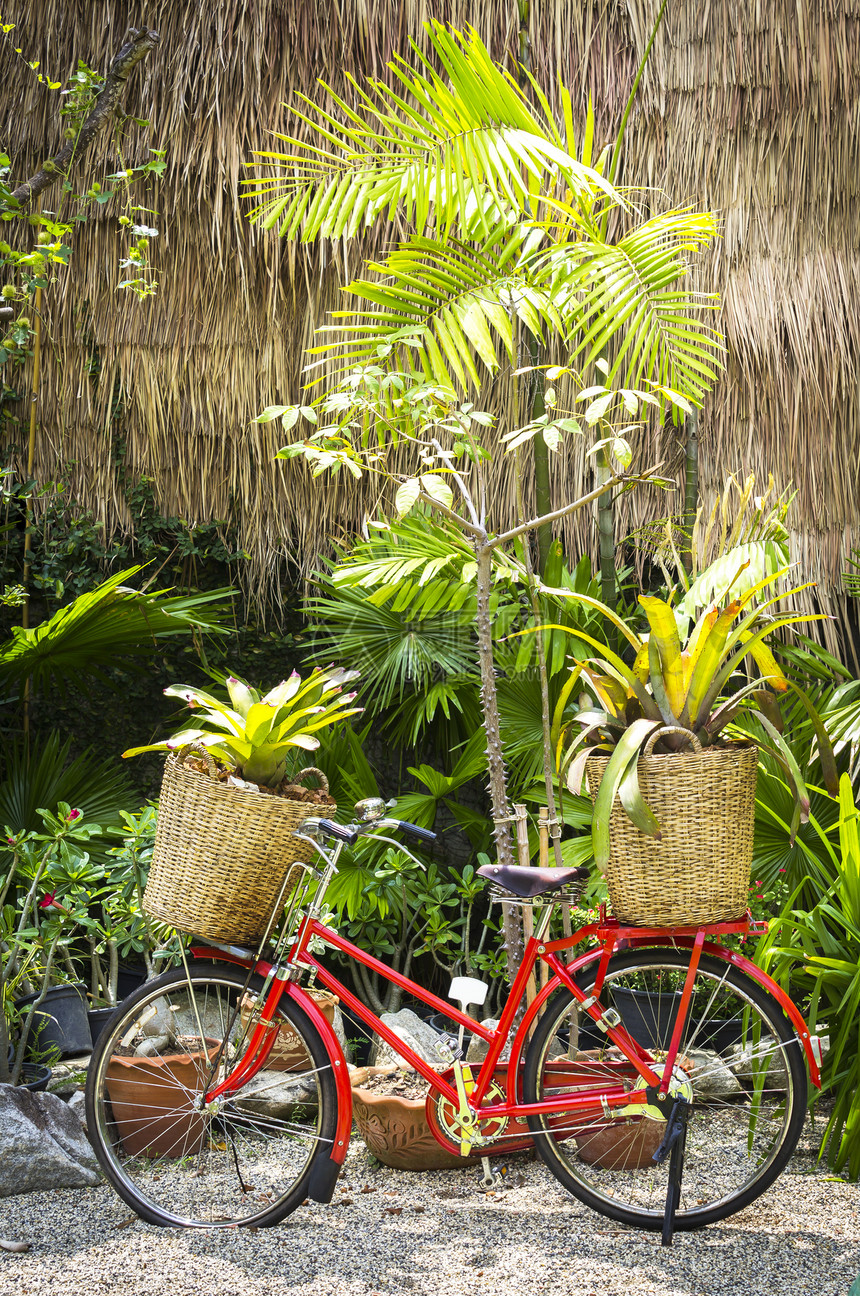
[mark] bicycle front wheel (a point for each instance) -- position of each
(243, 1159)
(739, 1064)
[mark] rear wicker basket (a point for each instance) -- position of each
(221, 855)
(698, 871)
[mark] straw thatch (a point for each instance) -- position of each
(750, 109)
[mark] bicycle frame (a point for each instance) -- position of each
(609, 934)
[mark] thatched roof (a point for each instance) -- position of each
(750, 109)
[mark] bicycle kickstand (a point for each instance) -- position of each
(673, 1144)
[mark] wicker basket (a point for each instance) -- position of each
(698, 871)
(221, 854)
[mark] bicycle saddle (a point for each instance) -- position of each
(526, 882)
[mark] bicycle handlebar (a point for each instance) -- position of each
(423, 834)
(348, 833)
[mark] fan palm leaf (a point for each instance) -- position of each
(108, 626)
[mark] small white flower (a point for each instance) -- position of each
(143, 231)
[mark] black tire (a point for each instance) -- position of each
(247, 1161)
(748, 1097)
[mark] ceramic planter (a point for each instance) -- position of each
(152, 1099)
(288, 1053)
(622, 1144)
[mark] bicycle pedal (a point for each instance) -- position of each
(491, 1176)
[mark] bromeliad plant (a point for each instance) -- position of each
(255, 737)
(682, 693)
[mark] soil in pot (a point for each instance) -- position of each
(153, 1102)
(60, 1025)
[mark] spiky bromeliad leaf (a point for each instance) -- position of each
(626, 753)
(455, 153)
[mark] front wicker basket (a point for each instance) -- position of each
(221, 855)
(698, 871)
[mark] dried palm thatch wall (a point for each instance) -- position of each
(751, 109)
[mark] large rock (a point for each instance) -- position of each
(710, 1076)
(417, 1035)
(479, 1048)
(275, 1095)
(42, 1144)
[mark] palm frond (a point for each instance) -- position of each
(40, 775)
(445, 306)
(449, 154)
(624, 299)
(111, 625)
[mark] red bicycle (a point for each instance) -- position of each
(659, 1074)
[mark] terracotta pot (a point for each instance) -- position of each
(398, 1133)
(622, 1145)
(152, 1102)
(395, 1130)
(288, 1052)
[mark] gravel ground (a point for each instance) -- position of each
(439, 1233)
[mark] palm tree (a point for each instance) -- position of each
(514, 233)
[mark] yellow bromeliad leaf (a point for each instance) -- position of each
(664, 632)
(712, 655)
(695, 644)
(640, 665)
(767, 664)
(610, 692)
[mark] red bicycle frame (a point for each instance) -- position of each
(609, 934)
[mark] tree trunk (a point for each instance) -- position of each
(691, 486)
(606, 532)
(511, 919)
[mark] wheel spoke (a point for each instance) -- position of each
(739, 1065)
(245, 1158)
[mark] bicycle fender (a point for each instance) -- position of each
(768, 984)
(339, 1067)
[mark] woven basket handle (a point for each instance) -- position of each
(312, 769)
(664, 729)
(199, 750)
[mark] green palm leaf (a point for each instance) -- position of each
(624, 301)
(112, 625)
(456, 153)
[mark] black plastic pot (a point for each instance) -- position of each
(35, 1077)
(98, 1019)
(130, 977)
(358, 1034)
(60, 1025)
(450, 1030)
(650, 1019)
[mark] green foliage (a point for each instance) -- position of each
(256, 736)
(69, 551)
(42, 774)
(823, 945)
(112, 624)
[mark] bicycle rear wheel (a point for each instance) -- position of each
(246, 1159)
(741, 1066)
